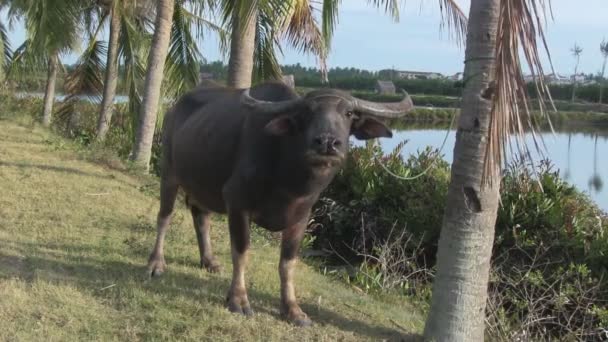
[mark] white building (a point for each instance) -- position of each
(412, 75)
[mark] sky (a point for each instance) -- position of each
(367, 38)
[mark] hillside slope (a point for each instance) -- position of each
(74, 239)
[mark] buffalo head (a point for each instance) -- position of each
(315, 128)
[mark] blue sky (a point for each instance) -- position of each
(366, 38)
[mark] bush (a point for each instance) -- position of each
(364, 204)
(549, 259)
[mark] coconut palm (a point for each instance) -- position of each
(53, 28)
(154, 77)
(604, 51)
(494, 106)
(576, 53)
(173, 61)
(111, 76)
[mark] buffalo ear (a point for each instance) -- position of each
(368, 128)
(279, 126)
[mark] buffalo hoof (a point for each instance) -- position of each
(156, 266)
(211, 265)
(302, 322)
(239, 303)
(297, 317)
(240, 309)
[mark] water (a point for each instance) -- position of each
(61, 97)
(579, 157)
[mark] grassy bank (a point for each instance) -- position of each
(76, 229)
(444, 115)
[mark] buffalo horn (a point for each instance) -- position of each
(385, 109)
(268, 106)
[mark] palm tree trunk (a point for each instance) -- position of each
(602, 81)
(154, 78)
(465, 247)
(574, 81)
(111, 77)
(240, 65)
(49, 93)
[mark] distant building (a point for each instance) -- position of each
(550, 79)
(289, 80)
(457, 76)
(385, 87)
(205, 76)
(422, 75)
(578, 78)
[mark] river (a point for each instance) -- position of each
(577, 154)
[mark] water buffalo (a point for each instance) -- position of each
(259, 155)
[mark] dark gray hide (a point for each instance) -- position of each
(261, 155)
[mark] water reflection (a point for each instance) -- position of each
(595, 182)
(574, 150)
(567, 171)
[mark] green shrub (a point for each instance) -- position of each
(364, 202)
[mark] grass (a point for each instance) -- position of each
(75, 233)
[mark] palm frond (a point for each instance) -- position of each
(6, 53)
(26, 60)
(329, 19)
(53, 25)
(391, 7)
(265, 63)
(85, 79)
(182, 63)
(520, 26)
(455, 19)
(202, 25)
(133, 48)
(304, 34)
(604, 48)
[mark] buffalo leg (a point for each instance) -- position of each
(202, 226)
(238, 222)
(290, 243)
(168, 194)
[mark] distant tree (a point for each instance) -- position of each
(576, 52)
(602, 81)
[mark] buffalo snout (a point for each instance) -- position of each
(326, 144)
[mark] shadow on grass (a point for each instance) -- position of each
(94, 273)
(55, 169)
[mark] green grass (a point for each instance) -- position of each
(75, 233)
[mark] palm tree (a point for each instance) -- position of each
(576, 52)
(604, 51)
(242, 43)
(180, 63)
(154, 77)
(494, 106)
(111, 75)
(53, 28)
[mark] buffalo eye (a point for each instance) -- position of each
(350, 114)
